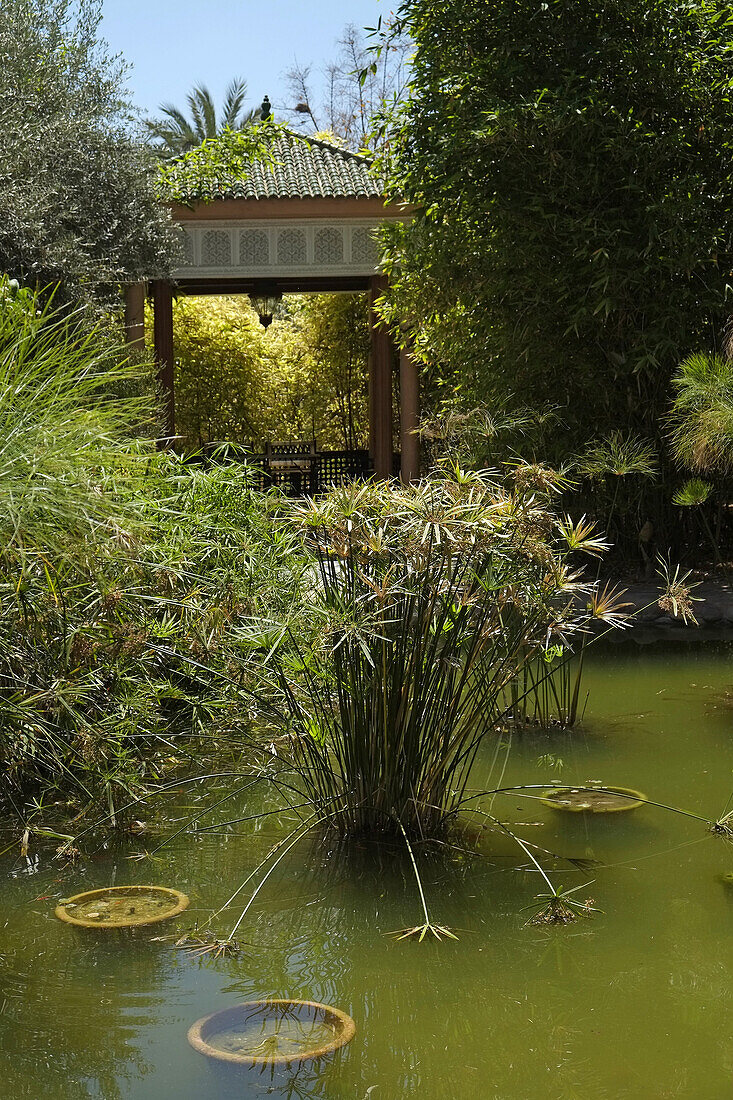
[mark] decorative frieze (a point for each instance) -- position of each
(364, 248)
(254, 248)
(187, 248)
(328, 248)
(271, 248)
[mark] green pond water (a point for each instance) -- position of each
(272, 1035)
(634, 1002)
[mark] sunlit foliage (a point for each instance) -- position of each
(305, 377)
(701, 417)
(123, 573)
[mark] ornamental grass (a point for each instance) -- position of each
(122, 573)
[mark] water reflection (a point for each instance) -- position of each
(65, 1020)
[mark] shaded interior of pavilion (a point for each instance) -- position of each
(299, 463)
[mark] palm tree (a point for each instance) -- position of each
(175, 134)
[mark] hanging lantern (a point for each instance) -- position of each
(265, 305)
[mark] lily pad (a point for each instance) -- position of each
(272, 1032)
(593, 800)
(122, 906)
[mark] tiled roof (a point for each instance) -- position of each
(304, 168)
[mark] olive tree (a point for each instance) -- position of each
(78, 199)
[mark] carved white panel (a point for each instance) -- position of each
(364, 248)
(187, 248)
(254, 248)
(292, 248)
(216, 248)
(328, 246)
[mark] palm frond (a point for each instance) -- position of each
(234, 98)
(203, 111)
(175, 135)
(179, 133)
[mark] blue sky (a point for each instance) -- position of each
(174, 44)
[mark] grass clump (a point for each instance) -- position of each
(701, 417)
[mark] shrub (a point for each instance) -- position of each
(303, 378)
(570, 166)
(701, 417)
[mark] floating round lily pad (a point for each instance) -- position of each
(122, 906)
(272, 1032)
(593, 800)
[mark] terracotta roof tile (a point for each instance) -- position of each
(304, 167)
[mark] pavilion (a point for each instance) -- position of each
(304, 223)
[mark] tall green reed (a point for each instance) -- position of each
(547, 693)
(64, 428)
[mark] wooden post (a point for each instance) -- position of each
(163, 339)
(135, 315)
(371, 400)
(409, 417)
(380, 387)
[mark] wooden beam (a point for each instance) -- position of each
(259, 209)
(380, 387)
(409, 417)
(163, 339)
(370, 399)
(135, 315)
(335, 284)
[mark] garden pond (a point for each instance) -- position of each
(634, 1001)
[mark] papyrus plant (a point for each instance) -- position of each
(427, 602)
